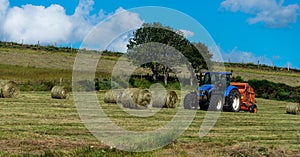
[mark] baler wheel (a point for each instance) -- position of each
(253, 108)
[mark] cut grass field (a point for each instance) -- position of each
(24, 65)
(35, 124)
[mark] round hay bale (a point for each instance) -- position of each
(159, 99)
(171, 99)
(112, 96)
(159, 93)
(135, 98)
(164, 99)
(9, 89)
(59, 92)
(293, 109)
(127, 98)
(143, 98)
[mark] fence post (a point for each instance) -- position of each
(60, 81)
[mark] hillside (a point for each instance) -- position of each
(23, 64)
(278, 75)
(34, 124)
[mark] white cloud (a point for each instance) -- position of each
(269, 12)
(84, 8)
(82, 21)
(115, 29)
(120, 43)
(187, 33)
(4, 4)
(216, 52)
(3, 7)
(51, 24)
(33, 23)
(238, 56)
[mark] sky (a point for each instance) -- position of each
(264, 31)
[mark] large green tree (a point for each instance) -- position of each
(156, 33)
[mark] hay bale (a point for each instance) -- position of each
(164, 99)
(143, 98)
(59, 92)
(171, 99)
(159, 99)
(158, 92)
(112, 96)
(9, 89)
(135, 98)
(293, 109)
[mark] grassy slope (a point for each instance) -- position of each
(36, 124)
(24, 65)
(289, 78)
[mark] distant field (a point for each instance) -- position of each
(43, 65)
(289, 78)
(36, 124)
(24, 65)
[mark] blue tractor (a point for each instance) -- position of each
(216, 92)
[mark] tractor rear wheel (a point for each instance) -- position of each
(216, 103)
(233, 101)
(190, 101)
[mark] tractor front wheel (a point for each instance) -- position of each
(233, 101)
(190, 101)
(216, 103)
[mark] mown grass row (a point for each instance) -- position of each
(36, 124)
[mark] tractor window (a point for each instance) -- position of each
(223, 80)
(215, 78)
(211, 78)
(207, 79)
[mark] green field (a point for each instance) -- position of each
(24, 65)
(290, 78)
(35, 124)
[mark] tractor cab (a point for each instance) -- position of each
(213, 81)
(220, 78)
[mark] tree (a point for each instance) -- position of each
(156, 33)
(160, 58)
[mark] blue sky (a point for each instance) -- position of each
(244, 31)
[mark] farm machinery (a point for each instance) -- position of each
(216, 92)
